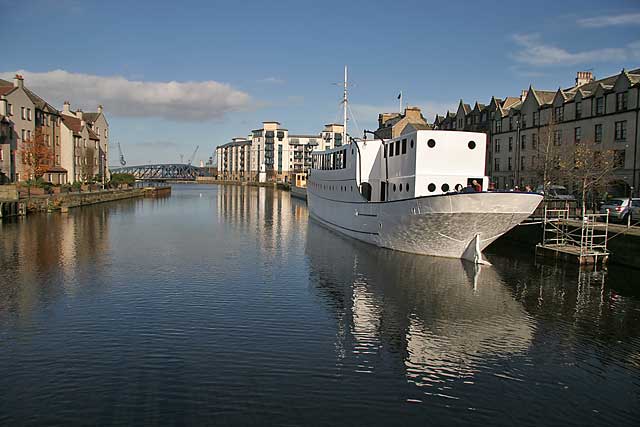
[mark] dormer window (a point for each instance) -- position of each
(600, 105)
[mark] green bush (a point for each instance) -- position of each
(121, 178)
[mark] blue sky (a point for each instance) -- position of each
(179, 74)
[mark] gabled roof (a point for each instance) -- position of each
(72, 123)
(6, 90)
(92, 134)
(542, 96)
(465, 107)
(41, 103)
(90, 117)
(509, 102)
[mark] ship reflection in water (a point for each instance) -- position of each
(452, 316)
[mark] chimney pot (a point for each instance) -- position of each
(583, 77)
(18, 81)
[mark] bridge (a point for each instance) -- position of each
(166, 172)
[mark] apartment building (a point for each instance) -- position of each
(80, 146)
(603, 111)
(272, 154)
(30, 117)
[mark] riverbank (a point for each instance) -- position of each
(64, 201)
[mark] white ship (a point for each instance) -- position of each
(401, 193)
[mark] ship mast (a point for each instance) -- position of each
(344, 107)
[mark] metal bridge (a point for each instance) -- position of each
(168, 172)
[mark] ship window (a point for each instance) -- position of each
(394, 188)
(385, 151)
(431, 143)
(412, 143)
(391, 150)
(445, 187)
(431, 187)
(397, 148)
(472, 145)
(404, 146)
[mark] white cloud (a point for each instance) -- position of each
(181, 101)
(535, 52)
(272, 80)
(610, 21)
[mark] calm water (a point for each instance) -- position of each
(226, 305)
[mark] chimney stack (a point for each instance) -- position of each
(99, 109)
(79, 113)
(523, 94)
(584, 77)
(3, 105)
(18, 81)
(66, 107)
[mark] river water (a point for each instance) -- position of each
(227, 305)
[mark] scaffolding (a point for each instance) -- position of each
(586, 241)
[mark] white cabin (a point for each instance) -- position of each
(421, 163)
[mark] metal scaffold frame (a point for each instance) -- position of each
(588, 241)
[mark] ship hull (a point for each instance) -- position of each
(457, 225)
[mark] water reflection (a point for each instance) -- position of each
(444, 317)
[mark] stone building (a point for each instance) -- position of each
(391, 125)
(29, 116)
(603, 111)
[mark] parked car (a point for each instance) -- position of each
(555, 192)
(620, 208)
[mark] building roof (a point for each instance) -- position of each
(72, 123)
(41, 103)
(90, 117)
(6, 90)
(58, 169)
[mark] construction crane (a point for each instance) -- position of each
(193, 155)
(123, 162)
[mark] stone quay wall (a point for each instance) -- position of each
(64, 201)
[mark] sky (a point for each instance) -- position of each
(175, 75)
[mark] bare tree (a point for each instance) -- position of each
(588, 167)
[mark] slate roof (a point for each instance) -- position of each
(90, 117)
(72, 123)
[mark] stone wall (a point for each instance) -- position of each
(8, 192)
(72, 200)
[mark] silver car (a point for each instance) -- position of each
(620, 208)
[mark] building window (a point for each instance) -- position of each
(577, 135)
(57, 159)
(496, 165)
(618, 158)
(522, 163)
(498, 125)
(1, 154)
(29, 114)
(29, 135)
(578, 109)
(523, 142)
(534, 141)
(22, 113)
(557, 137)
(558, 113)
(621, 101)
(598, 133)
(509, 166)
(524, 121)
(510, 144)
(10, 109)
(510, 123)
(621, 131)
(497, 150)
(599, 105)
(23, 134)
(536, 118)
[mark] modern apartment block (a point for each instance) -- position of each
(604, 112)
(76, 144)
(271, 153)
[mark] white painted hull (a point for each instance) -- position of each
(442, 225)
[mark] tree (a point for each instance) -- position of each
(87, 168)
(588, 167)
(548, 157)
(36, 155)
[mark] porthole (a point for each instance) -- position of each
(407, 187)
(431, 187)
(472, 145)
(431, 143)
(394, 188)
(412, 143)
(401, 188)
(445, 187)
